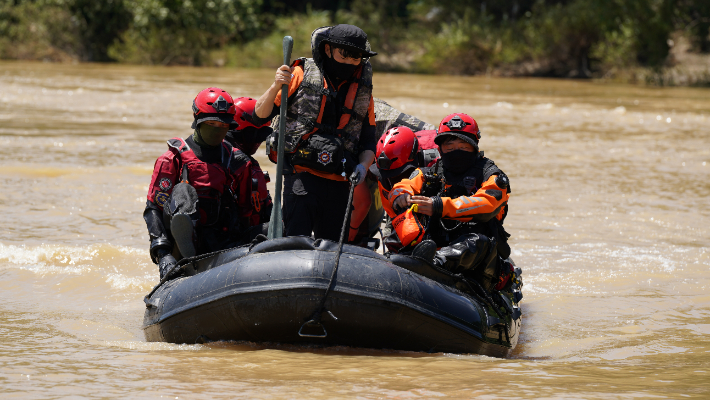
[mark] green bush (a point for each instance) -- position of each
(38, 30)
(184, 32)
(267, 52)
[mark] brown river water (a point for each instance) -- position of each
(609, 215)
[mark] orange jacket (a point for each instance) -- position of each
(486, 203)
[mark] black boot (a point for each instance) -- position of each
(425, 251)
(166, 266)
(464, 253)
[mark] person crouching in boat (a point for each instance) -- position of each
(190, 201)
(330, 128)
(399, 152)
(464, 197)
(253, 199)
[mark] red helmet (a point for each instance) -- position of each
(212, 104)
(461, 126)
(245, 108)
(396, 151)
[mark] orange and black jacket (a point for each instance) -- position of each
(332, 113)
(484, 203)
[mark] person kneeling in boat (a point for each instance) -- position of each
(330, 129)
(190, 201)
(465, 197)
(253, 199)
(399, 152)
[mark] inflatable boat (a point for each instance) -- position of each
(270, 291)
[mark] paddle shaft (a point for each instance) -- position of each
(276, 222)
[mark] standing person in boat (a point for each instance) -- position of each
(253, 199)
(190, 201)
(330, 128)
(465, 197)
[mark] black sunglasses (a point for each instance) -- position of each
(348, 53)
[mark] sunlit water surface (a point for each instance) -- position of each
(609, 217)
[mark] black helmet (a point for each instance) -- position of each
(343, 35)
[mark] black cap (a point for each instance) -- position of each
(351, 37)
(465, 136)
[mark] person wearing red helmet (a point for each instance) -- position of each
(464, 198)
(330, 128)
(399, 152)
(253, 199)
(190, 201)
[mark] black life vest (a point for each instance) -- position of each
(468, 183)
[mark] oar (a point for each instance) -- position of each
(276, 224)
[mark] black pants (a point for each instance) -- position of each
(475, 256)
(314, 205)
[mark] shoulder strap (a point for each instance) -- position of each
(181, 146)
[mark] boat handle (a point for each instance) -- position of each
(312, 323)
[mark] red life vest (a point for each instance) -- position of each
(209, 179)
(259, 193)
(250, 189)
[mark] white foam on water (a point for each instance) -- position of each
(118, 266)
(598, 268)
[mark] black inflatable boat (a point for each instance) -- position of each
(265, 294)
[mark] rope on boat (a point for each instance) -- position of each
(314, 321)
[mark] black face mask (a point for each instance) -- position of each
(338, 71)
(458, 161)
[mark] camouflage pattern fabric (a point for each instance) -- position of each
(387, 117)
(305, 107)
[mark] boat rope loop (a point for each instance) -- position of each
(314, 322)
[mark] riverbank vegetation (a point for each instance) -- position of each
(663, 42)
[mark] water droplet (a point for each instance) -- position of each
(668, 120)
(658, 117)
(446, 105)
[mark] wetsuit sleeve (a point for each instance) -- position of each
(165, 176)
(483, 205)
(161, 185)
(412, 186)
(153, 217)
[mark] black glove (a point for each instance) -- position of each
(166, 266)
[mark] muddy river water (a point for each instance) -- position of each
(609, 214)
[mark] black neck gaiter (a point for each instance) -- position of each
(458, 161)
(338, 72)
(203, 151)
